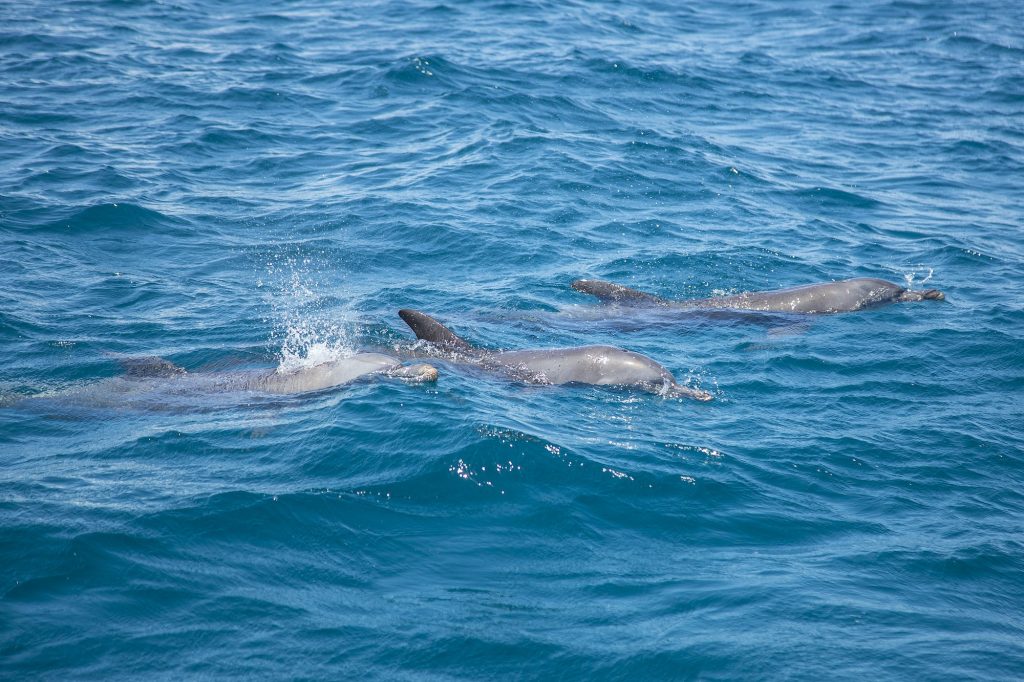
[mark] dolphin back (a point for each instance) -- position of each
(427, 328)
(594, 365)
(829, 297)
(609, 292)
(150, 367)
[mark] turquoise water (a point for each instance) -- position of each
(237, 187)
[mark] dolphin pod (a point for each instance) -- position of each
(148, 380)
(595, 365)
(843, 296)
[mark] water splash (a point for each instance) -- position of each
(303, 347)
(909, 277)
(309, 327)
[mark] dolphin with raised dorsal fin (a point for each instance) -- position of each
(843, 296)
(596, 365)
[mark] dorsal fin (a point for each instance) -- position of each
(427, 328)
(607, 291)
(150, 366)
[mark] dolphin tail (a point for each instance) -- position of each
(427, 328)
(615, 293)
(929, 295)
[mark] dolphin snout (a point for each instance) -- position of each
(929, 295)
(687, 392)
(421, 372)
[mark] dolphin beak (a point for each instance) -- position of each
(687, 392)
(419, 373)
(929, 295)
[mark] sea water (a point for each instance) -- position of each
(236, 185)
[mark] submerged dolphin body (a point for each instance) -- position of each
(157, 383)
(832, 297)
(597, 365)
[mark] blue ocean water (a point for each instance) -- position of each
(236, 185)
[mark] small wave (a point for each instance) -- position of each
(113, 216)
(833, 197)
(421, 69)
(972, 46)
(648, 74)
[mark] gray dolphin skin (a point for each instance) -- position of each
(596, 365)
(843, 296)
(336, 373)
(155, 382)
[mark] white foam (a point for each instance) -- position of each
(303, 349)
(309, 333)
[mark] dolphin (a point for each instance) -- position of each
(843, 296)
(155, 382)
(596, 365)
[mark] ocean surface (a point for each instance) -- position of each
(234, 185)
